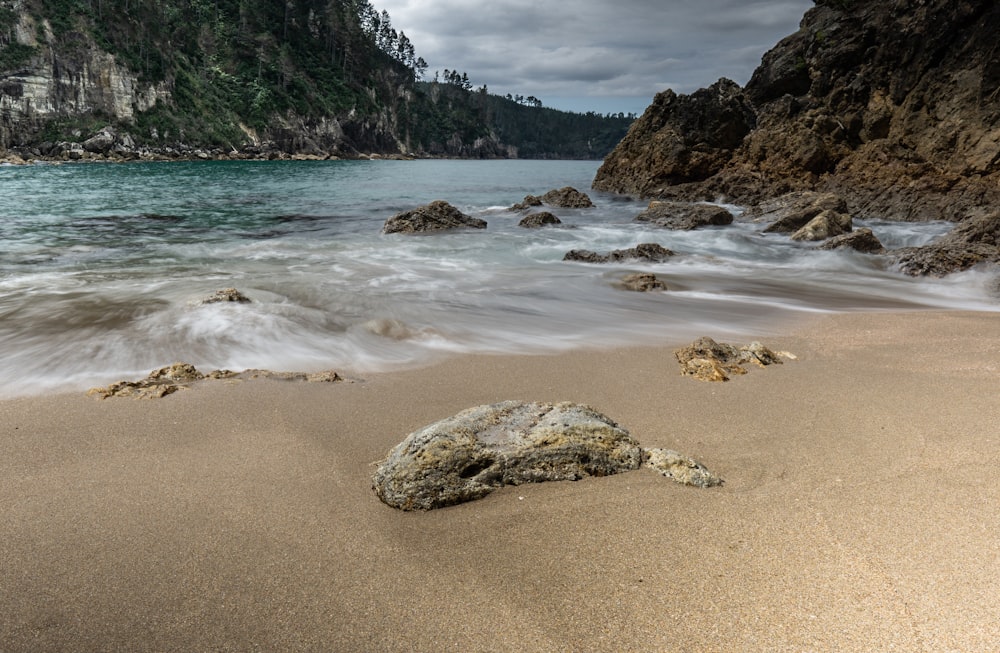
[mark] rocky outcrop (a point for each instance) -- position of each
(708, 360)
(892, 105)
(538, 219)
(684, 215)
(181, 376)
(974, 242)
(436, 216)
(479, 450)
(679, 139)
(642, 282)
(651, 252)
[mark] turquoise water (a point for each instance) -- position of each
(103, 269)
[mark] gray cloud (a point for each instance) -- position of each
(594, 54)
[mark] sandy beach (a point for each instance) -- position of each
(859, 511)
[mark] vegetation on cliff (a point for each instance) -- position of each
(305, 76)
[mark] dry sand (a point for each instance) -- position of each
(860, 511)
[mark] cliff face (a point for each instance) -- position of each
(895, 104)
(49, 83)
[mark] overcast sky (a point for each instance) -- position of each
(594, 55)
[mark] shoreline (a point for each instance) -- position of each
(856, 515)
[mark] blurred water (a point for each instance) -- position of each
(102, 269)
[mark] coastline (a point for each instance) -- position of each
(857, 512)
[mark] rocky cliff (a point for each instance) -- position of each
(895, 105)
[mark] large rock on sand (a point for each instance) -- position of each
(473, 453)
(436, 216)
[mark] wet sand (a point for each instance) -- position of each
(859, 511)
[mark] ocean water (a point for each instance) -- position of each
(103, 269)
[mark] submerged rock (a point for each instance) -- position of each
(436, 216)
(540, 219)
(227, 295)
(471, 454)
(708, 360)
(642, 282)
(684, 216)
(652, 252)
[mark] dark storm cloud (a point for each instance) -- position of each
(595, 54)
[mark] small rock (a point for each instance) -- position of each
(567, 197)
(707, 360)
(227, 295)
(436, 216)
(642, 282)
(540, 219)
(651, 252)
(680, 468)
(861, 240)
(825, 225)
(792, 211)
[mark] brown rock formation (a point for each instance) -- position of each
(436, 216)
(893, 105)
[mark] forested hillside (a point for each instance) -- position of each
(324, 77)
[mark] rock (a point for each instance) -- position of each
(436, 216)
(101, 142)
(642, 282)
(684, 215)
(793, 211)
(585, 256)
(890, 104)
(567, 197)
(227, 295)
(679, 139)
(862, 240)
(680, 468)
(540, 219)
(651, 252)
(180, 376)
(825, 225)
(481, 449)
(528, 202)
(973, 242)
(707, 360)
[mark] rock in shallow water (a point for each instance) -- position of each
(481, 449)
(436, 216)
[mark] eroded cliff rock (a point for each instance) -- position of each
(894, 105)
